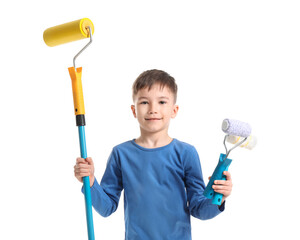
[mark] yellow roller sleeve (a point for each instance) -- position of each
(68, 32)
(77, 90)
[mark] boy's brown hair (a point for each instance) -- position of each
(151, 77)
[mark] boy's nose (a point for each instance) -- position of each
(152, 110)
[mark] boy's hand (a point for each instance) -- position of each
(223, 186)
(84, 168)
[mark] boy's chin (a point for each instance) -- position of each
(153, 130)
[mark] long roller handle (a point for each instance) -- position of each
(79, 109)
(222, 166)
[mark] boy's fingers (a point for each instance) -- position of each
(80, 166)
(80, 160)
(89, 160)
(224, 192)
(81, 175)
(221, 182)
(83, 165)
(228, 175)
(78, 170)
(84, 168)
(220, 187)
(228, 180)
(84, 161)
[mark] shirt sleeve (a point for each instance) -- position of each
(199, 206)
(106, 195)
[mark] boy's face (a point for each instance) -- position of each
(154, 109)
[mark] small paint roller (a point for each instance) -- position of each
(238, 133)
(250, 143)
(61, 34)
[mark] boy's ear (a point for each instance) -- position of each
(175, 111)
(133, 110)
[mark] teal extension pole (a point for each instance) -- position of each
(86, 186)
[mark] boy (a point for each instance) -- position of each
(161, 176)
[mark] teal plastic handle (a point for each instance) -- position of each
(222, 166)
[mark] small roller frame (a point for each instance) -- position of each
(232, 127)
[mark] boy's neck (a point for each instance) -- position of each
(153, 140)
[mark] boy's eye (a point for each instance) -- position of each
(144, 102)
(162, 102)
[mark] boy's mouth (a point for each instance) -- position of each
(153, 119)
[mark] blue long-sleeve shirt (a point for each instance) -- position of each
(162, 188)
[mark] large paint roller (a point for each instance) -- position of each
(65, 33)
(238, 133)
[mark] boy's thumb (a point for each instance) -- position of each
(89, 160)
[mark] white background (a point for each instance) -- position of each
(231, 59)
